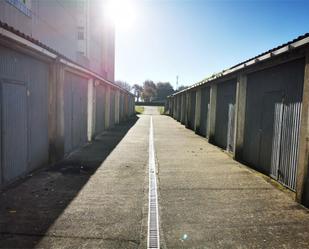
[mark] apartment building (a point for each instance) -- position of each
(76, 29)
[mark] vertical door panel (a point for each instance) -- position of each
(14, 130)
(276, 143)
(75, 101)
(100, 109)
(204, 110)
(77, 116)
(38, 114)
(192, 110)
(289, 144)
(231, 126)
(224, 135)
(223, 123)
(68, 107)
(270, 99)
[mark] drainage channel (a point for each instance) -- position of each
(153, 238)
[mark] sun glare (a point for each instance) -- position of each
(121, 12)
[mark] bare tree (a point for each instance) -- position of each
(138, 90)
(149, 91)
(123, 84)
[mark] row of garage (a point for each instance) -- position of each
(255, 113)
(50, 107)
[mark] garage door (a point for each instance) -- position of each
(100, 109)
(75, 111)
(272, 121)
(14, 132)
(112, 109)
(192, 110)
(24, 113)
(204, 110)
(224, 129)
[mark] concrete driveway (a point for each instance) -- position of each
(208, 200)
(98, 197)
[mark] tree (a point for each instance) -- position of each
(138, 90)
(123, 84)
(149, 91)
(164, 89)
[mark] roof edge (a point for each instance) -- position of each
(284, 48)
(14, 34)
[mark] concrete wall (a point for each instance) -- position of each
(250, 93)
(302, 180)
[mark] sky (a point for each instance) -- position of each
(196, 38)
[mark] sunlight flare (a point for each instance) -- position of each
(122, 13)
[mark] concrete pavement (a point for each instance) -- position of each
(98, 197)
(81, 203)
(151, 110)
(208, 200)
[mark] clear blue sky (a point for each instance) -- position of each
(196, 38)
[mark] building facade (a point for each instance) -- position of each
(76, 29)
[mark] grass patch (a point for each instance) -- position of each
(161, 109)
(139, 109)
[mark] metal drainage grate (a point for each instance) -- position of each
(153, 215)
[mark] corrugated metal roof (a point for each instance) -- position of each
(274, 49)
(254, 59)
(51, 50)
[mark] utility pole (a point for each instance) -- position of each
(176, 82)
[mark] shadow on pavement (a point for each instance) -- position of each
(29, 208)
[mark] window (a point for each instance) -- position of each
(22, 5)
(80, 33)
(81, 53)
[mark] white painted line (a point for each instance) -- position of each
(153, 238)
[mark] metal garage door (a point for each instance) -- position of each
(224, 129)
(121, 107)
(192, 110)
(172, 107)
(112, 109)
(183, 108)
(75, 111)
(178, 107)
(24, 117)
(14, 131)
(187, 107)
(205, 97)
(38, 113)
(117, 107)
(273, 119)
(100, 109)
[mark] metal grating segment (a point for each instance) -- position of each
(153, 215)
